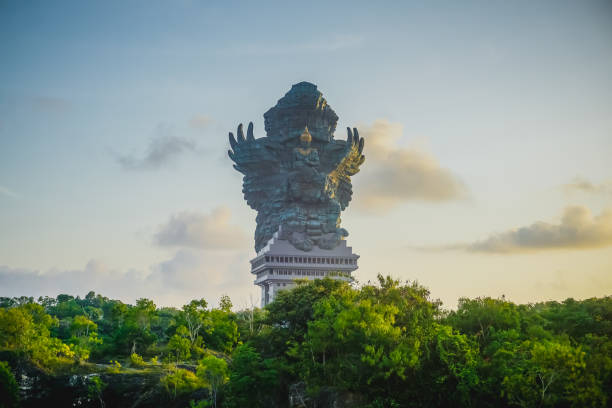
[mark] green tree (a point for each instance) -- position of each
(95, 388)
(26, 329)
(552, 374)
(82, 327)
(478, 317)
(179, 345)
(196, 318)
(225, 304)
(213, 370)
(223, 332)
(84, 337)
(180, 381)
(143, 313)
(252, 380)
(448, 370)
(135, 334)
(288, 316)
(9, 390)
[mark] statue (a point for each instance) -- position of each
(298, 177)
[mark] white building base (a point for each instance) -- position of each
(279, 264)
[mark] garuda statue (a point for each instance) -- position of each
(298, 177)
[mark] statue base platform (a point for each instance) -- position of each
(279, 264)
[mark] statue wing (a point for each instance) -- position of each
(252, 158)
(263, 183)
(351, 158)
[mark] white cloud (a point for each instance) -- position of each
(396, 174)
(582, 185)
(187, 275)
(9, 193)
(200, 121)
(202, 231)
(577, 229)
(164, 148)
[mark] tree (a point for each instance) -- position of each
(288, 316)
(448, 369)
(81, 326)
(9, 390)
(225, 304)
(26, 329)
(179, 345)
(144, 312)
(180, 381)
(551, 373)
(250, 322)
(196, 317)
(214, 371)
(135, 335)
(252, 380)
(95, 388)
(481, 315)
(223, 335)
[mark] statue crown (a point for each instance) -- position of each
(305, 136)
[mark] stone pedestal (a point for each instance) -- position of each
(278, 264)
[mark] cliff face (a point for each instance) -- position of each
(92, 386)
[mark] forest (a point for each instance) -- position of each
(324, 343)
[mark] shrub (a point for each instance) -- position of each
(180, 381)
(114, 368)
(137, 360)
(9, 391)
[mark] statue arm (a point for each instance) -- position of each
(350, 160)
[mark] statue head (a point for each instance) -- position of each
(302, 105)
(305, 137)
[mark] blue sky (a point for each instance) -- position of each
(114, 119)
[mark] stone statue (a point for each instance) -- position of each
(298, 177)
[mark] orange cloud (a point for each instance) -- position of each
(580, 184)
(202, 231)
(395, 174)
(577, 229)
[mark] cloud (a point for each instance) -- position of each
(27, 282)
(5, 191)
(202, 231)
(577, 229)
(200, 121)
(397, 174)
(174, 282)
(219, 270)
(582, 185)
(164, 148)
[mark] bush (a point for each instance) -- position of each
(137, 361)
(9, 391)
(114, 368)
(180, 381)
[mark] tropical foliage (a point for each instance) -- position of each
(376, 345)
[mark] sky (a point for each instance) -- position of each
(487, 125)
